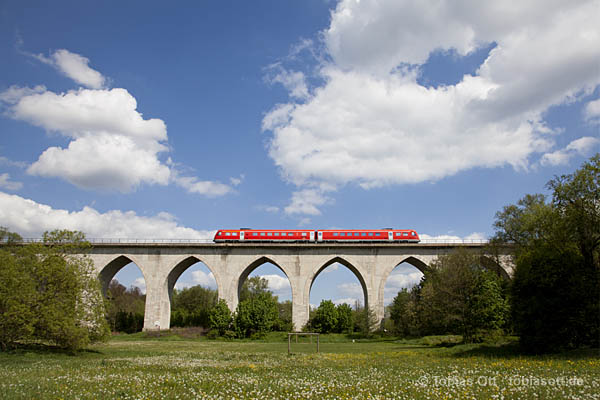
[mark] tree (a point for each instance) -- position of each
(557, 262)
(459, 296)
(345, 321)
(403, 312)
(50, 290)
(17, 292)
(256, 315)
(325, 319)
(190, 306)
(219, 317)
(124, 307)
(254, 287)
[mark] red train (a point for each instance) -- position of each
(318, 236)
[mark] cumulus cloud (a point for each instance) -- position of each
(208, 188)
(592, 112)
(293, 81)
(112, 147)
(6, 183)
(475, 236)
(350, 290)
(31, 219)
(306, 201)
(582, 146)
(277, 283)
(199, 277)
(403, 276)
(75, 67)
(372, 123)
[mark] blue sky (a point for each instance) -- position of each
(148, 120)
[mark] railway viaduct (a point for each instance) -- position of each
(231, 263)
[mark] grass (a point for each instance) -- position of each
(171, 367)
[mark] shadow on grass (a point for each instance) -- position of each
(43, 348)
(514, 350)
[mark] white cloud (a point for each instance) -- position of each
(207, 188)
(351, 301)
(592, 112)
(75, 67)
(204, 279)
(306, 201)
(293, 81)
(140, 283)
(582, 146)
(373, 124)
(112, 146)
(31, 219)
(439, 238)
(350, 290)
(6, 183)
(277, 283)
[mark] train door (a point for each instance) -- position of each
(390, 235)
(312, 236)
(241, 235)
(319, 236)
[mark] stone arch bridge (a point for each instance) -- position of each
(231, 263)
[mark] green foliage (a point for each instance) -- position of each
(256, 315)
(219, 317)
(124, 308)
(49, 293)
(253, 287)
(191, 306)
(556, 285)
(403, 312)
(345, 320)
(325, 319)
(459, 296)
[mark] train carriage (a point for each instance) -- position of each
(367, 235)
(265, 235)
(318, 236)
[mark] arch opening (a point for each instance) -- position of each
(193, 291)
(124, 287)
(266, 275)
(339, 281)
(404, 276)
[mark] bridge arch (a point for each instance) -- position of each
(181, 266)
(352, 265)
(108, 272)
(490, 264)
(254, 265)
(412, 260)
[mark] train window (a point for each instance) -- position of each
(412, 233)
(254, 234)
(335, 233)
(405, 234)
(370, 233)
(363, 234)
(342, 234)
(356, 234)
(269, 233)
(262, 234)
(227, 234)
(233, 233)
(377, 234)
(303, 233)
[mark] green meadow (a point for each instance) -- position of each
(172, 367)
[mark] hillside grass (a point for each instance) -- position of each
(170, 367)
